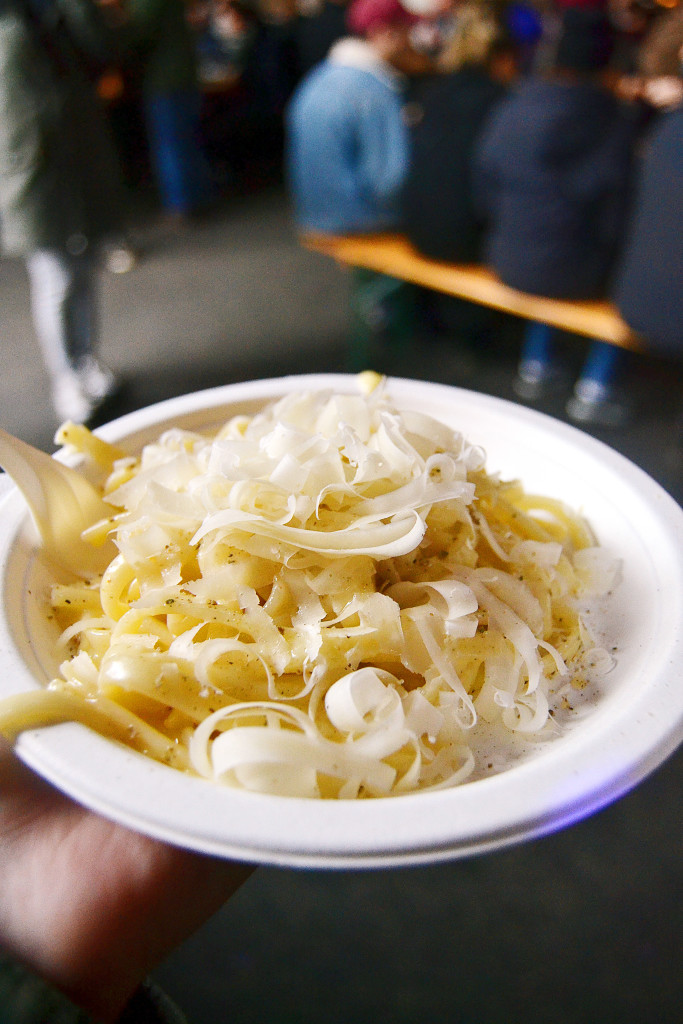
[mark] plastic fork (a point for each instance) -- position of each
(62, 502)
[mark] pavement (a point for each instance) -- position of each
(580, 927)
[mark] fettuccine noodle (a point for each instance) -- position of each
(327, 599)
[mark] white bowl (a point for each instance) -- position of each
(632, 725)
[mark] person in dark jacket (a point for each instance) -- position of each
(438, 210)
(60, 187)
(553, 171)
(553, 176)
(649, 283)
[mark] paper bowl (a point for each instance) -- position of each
(634, 721)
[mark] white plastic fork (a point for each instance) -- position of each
(62, 502)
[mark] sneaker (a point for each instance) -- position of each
(97, 380)
(535, 379)
(70, 401)
(120, 258)
(78, 394)
(594, 404)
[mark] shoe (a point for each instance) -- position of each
(69, 400)
(97, 380)
(536, 379)
(594, 404)
(120, 258)
(79, 393)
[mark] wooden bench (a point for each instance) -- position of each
(394, 256)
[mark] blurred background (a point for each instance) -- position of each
(579, 927)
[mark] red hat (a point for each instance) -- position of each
(364, 15)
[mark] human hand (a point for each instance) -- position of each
(89, 905)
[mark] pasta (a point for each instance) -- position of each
(331, 598)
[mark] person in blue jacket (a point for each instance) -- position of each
(553, 176)
(346, 136)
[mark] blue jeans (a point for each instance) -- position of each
(175, 145)
(601, 363)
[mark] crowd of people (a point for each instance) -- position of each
(538, 136)
(530, 138)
